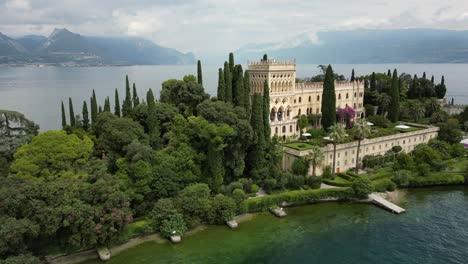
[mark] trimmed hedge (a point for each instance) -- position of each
(437, 179)
(383, 185)
(346, 176)
(308, 196)
(338, 181)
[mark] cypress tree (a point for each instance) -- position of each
(424, 75)
(265, 57)
(352, 75)
(394, 107)
(238, 86)
(199, 73)
(100, 109)
(127, 103)
(221, 85)
(117, 103)
(231, 62)
(107, 105)
(328, 100)
(228, 81)
(247, 92)
(373, 84)
(440, 89)
(94, 108)
(432, 79)
(85, 114)
(135, 99)
(389, 73)
(150, 99)
(72, 113)
(266, 111)
(256, 155)
(64, 119)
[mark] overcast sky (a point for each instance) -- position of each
(218, 26)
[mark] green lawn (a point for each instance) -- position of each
(338, 181)
(299, 146)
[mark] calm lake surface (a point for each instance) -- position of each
(37, 92)
(433, 230)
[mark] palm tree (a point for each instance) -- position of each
(417, 111)
(315, 158)
(361, 131)
(337, 135)
(384, 101)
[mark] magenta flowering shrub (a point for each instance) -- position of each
(346, 115)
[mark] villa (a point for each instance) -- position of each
(289, 99)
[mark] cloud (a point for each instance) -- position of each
(210, 27)
(18, 5)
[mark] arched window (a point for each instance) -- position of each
(318, 98)
(339, 96)
(299, 112)
(354, 105)
(310, 98)
(300, 99)
(284, 129)
(355, 94)
(290, 128)
(347, 96)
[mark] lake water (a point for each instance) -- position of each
(37, 92)
(432, 231)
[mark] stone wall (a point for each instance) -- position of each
(346, 153)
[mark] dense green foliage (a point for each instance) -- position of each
(362, 187)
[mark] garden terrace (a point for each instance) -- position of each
(346, 152)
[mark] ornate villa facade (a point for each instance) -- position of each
(289, 99)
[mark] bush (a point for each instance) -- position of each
(254, 188)
(265, 202)
(235, 185)
(457, 150)
(300, 167)
(362, 187)
(314, 182)
(317, 133)
(401, 178)
(383, 185)
(295, 181)
(327, 172)
(396, 149)
(247, 184)
(379, 121)
(224, 209)
(403, 161)
(174, 224)
(269, 185)
(437, 179)
(423, 169)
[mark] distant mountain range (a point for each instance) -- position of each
(367, 46)
(66, 48)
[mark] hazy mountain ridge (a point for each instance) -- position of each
(67, 48)
(369, 46)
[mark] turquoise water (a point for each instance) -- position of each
(433, 230)
(37, 92)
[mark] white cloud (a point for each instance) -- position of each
(18, 5)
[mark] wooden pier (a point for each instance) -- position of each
(385, 203)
